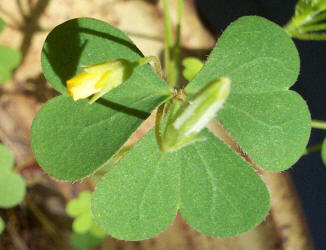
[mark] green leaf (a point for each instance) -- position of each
(5, 75)
(86, 41)
(323, 151)
(96, 231)
(192, 66)
(80, 205)
(139, 198)
(12, 189)
(9, 58)
(218, 193)
(71, 139)
(2, 225)
(85, 241)
(256, 54)
(80, 208)
(2, 25)
(6, 159)
(82, 223)
(270, 123)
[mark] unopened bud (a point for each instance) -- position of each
(194, 115)
(99, 79)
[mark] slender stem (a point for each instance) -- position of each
(21, 10)
(34, 180)
(168, 43)
(148, 37)
(313, 27)
(318, 124)
(107, 166)
(158, 123)
(153, 59)
(318, 36)
(52, 230)
(180, 7)
(23, 165)
(312, 149)
(177, 47)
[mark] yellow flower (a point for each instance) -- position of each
(98, 79)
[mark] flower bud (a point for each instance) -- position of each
(98, 79)
(194, 115)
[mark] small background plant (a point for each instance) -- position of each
(12, 185)
(86, 232)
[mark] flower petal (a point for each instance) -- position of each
(83, 85)
(104, 66)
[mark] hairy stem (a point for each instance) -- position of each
(153, 59)
(318, 124)
(177, 47)
(312, 149)
(158, 123)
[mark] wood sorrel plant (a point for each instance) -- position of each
(215, 189)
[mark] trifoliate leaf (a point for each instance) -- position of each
(80, 209)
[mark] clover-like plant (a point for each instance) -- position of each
(216, 190)
(80, 209)
(12, 185)
(9, 59)
(86, 232)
